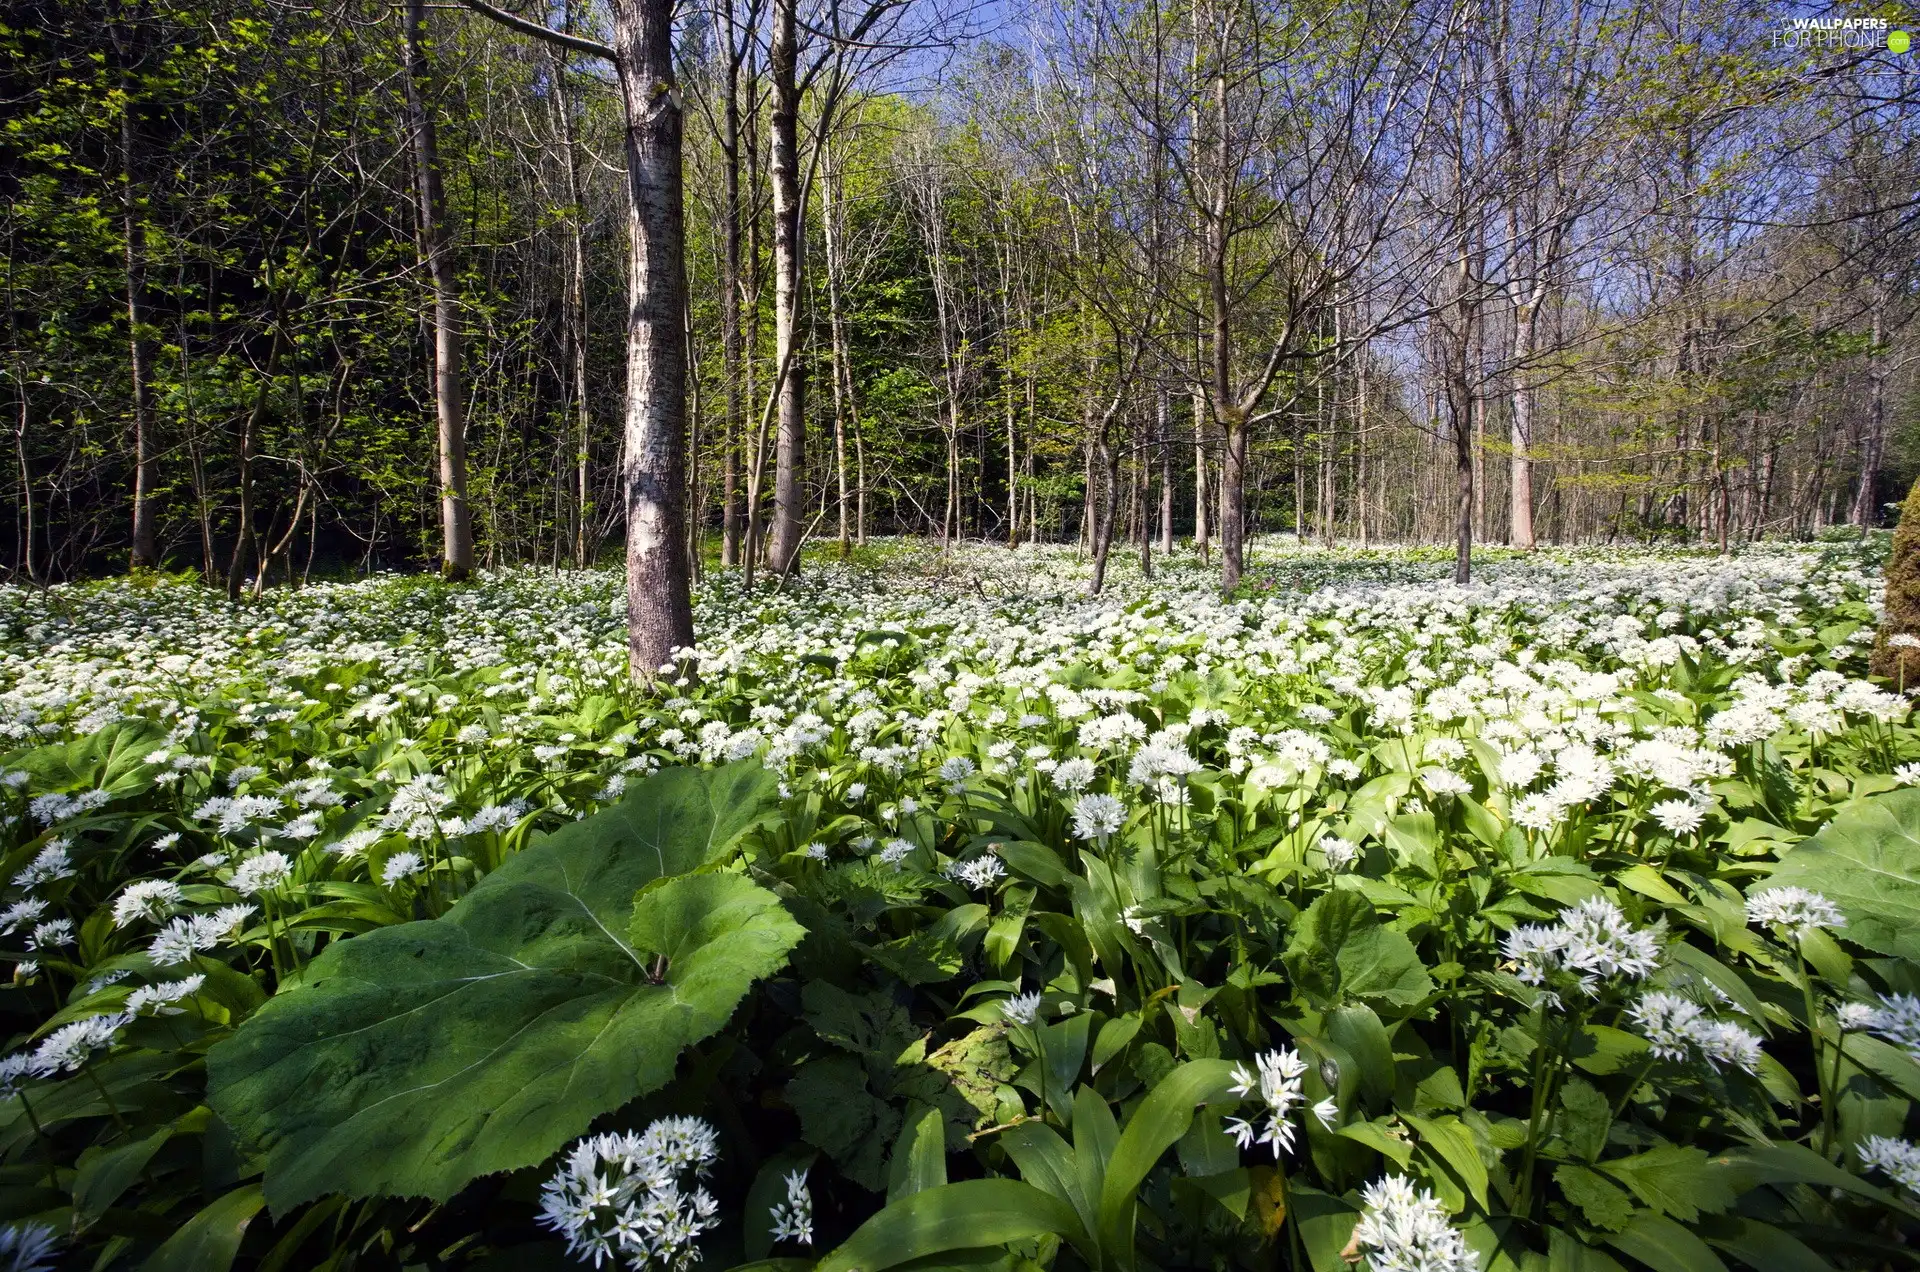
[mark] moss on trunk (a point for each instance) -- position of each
(1902, 662)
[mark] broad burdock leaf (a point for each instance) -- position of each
(416, 1058)
(1867, 862)
(1339, 948)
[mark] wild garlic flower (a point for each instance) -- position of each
(261, 873)
(894, 852)
(159, 998)
(623, 1196)
(1021, 1009)
(1898, 1159)
(49, 864)
(28, 1247)
(1443, 783)
(1678, 816)
(71, 1046)
(1073, 775)
(1278, 1087)
(1340, 853)
(1097, 817)
(1404, 1230)
(980, 873)
(149, 899)
(21, 914)
(1678, 1028)
(1897, 1019)
(954, 771)
(184, 937)
(401, 866)
(1799, 910)
(793, 1219)
(1592, 940)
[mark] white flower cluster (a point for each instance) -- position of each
(793, 1218)
(636, 1198)
(1678, 1028)
(1797, 910)
(1278, 1089)
(1592, 940)
(1405, 1229)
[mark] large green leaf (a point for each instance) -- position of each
(1339, 948)
(1867, 862)
(963, 1216)
(1156, 1125)
(416, 1058)
(209, 1241)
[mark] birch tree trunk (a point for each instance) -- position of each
(789, 248)
(659, 607)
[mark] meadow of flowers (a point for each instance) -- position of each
(931, 914)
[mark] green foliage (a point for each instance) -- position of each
(424, 1055)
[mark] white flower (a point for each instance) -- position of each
(27, 1247)
(793, 1220)
(1678, 816)
(1444, 782)
(161, 997)
(1903, 640)
(1537, 812)
(1907, 774)
(1898, 1159)
(1676, 1028)
(71, 1046)
(955, 770)
(1277, 1087)
(21, 914)
(1800, 911)
(624, 1195)
(894, 852)
(1404, 1230)
(261, 873)
(1073, 775)
(51, 935)
(402, 865)
(1592, 940)
(1340, 853)
(49, 864)
(1097, 817)
(980, 873)
(1021, 1009)
(149, 899)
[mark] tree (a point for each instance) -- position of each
(449, 397)
(653, 471)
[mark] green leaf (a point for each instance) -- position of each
(1326, 1224)
(1339, 947)
(209, 1241)
(1160, 1120)
(1665, 1246)
(104, 1174)
(1780, 1163)
(1867, 862)
(1604, 1203)
(1679, 1182)
(1452, 1143)
(919, 1156)
(416, 1058)
(840, 1116)
(1355, 1029)
(1761, 1246)
(962, 1216)
(1585, 1117)
(1566, 1254)
(1045, 1161)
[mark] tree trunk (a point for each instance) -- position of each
(789, 248)
(1863, 513)
(731, 284)
(456, 525)
(145, 553)
(659, 606)
(576, 311)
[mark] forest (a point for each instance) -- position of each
(960, 636)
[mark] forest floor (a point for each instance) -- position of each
(1343, 806)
